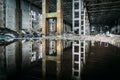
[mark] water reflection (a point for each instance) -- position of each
(24, 59)
(103, 60)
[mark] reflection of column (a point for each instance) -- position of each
(19, 56)
(56, 58)
(13, 58)
(10, 57)
(52, 47)
(36, 50)
(92, 43)
(2, 63)
(40, 50)
(59, 55)
(106, 44)
(26, 54)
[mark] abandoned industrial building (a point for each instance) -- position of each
(59, 39)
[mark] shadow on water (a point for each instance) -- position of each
(23, 60)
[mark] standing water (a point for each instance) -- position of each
(23, 60)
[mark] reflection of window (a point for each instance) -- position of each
(52, 47)
(33, 57)
(40, 51)
(76, 31)
(106, 44)
(76, 49)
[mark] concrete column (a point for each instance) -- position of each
(44, 32)
(2, 63)
(44, 21)
(59, 56)
(59, 32)
(59, 16)
(26, 54)
(26, 15)
(18, 16)
(11, 58)
(11, 15)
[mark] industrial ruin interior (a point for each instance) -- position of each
(59, 39)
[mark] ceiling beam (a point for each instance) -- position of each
(104, 7)
(102, 13)
(96, 15)
(105, 10)
(104, 3)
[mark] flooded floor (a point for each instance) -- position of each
(22, 60)
(103, 63)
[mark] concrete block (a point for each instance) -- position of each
(26, 53)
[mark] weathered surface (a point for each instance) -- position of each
(10, 15)
(2, 13)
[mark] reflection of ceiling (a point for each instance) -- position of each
(99, 11)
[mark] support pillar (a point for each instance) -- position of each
(19, 30)
(18, 17)
(59, 16)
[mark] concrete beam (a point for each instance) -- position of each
(51, 15)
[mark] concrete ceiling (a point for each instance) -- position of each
(99, 11)
(67, 8)
(104, 12)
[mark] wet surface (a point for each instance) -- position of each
(22, 60)
(103, 63)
